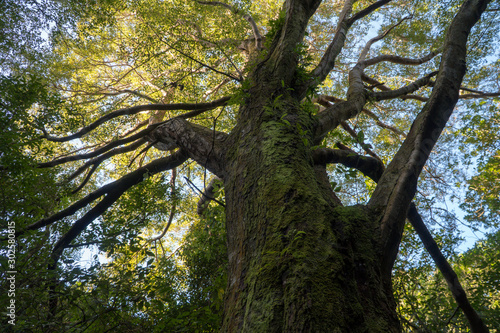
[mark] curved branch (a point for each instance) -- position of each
(140, 108)
(369, 166)
(404, 91)
(327, 62)
(379, 85)
(101, 150)
(332, 116)
(96, 161)
(401, 60)
(369, 44)
(325, 100)
(368, 10)
(87, 177)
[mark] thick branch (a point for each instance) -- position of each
(367, 11)
(332, 116)
(403, 91)
(379, 85)
(401, 60)
(94, 156)
(106, 150)
(369, 166)
(325, 100)
(397, 186)
(203, 145)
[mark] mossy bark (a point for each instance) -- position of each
(298, 261)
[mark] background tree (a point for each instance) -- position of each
(192, 143)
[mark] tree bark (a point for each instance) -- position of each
(298, 260)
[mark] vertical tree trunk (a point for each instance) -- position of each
(298, 262)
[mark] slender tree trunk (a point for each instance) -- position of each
(298, 261)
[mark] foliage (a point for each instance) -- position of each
(72, 62)
(425, 304)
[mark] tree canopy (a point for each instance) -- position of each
(141, 139)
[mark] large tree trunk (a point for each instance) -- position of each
(298, 261)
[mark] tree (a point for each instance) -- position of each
(261, 112)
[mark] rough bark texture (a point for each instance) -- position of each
(298, 261)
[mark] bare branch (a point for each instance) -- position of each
(401, 60)
(87, 177)
(379, 85)
(332, 116)
(325, 100)
(370, 166)
(368, 10)
(369, 44)
(404, 91)
(140, 108)
(202, 144)
(94, 161)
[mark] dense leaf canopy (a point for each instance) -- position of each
(128, 233)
